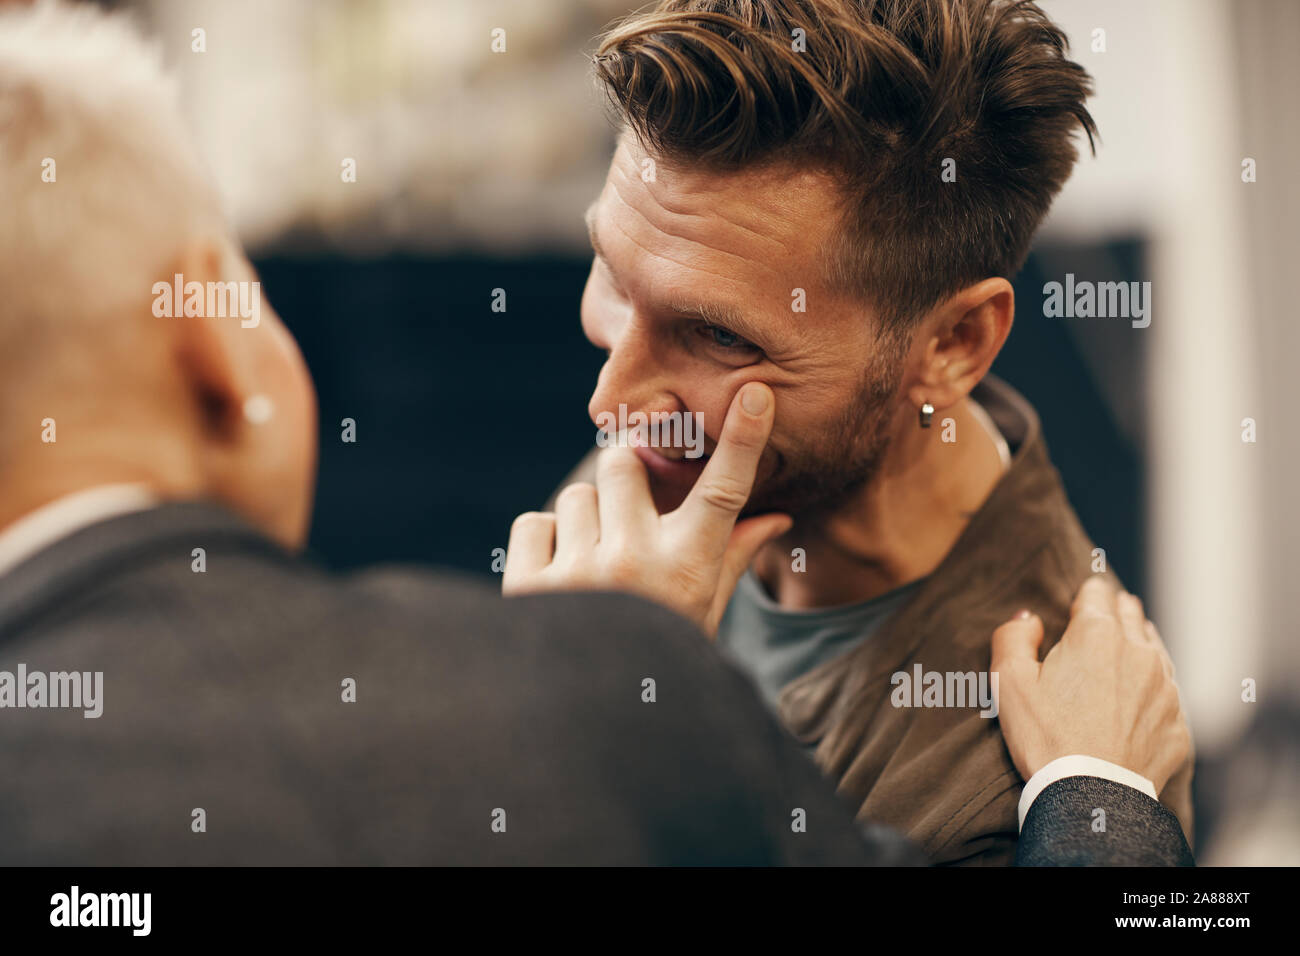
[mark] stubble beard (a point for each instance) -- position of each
(820, 480)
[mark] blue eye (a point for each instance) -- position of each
(725, 338)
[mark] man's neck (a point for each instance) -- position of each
(899, 527)
(25, 491)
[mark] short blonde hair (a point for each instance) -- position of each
(84, 101)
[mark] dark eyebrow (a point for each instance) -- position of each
(725, 316)
(708, 312)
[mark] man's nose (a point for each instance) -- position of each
(632, 376)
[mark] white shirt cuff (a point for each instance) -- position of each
(1077, 765)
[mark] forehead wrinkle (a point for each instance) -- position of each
(734, 223)
(789, 189)
(684, 215)
(773, 240)
(656, 255)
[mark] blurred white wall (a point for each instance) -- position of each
(1187, 90)
(455, 145)
(1170, 108)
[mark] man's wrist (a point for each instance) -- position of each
(1079, 765)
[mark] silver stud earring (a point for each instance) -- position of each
(258, 409)
(927, 412)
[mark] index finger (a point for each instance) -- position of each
(1017, 642)
(1096, 598)
(724, 486)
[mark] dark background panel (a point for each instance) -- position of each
(1085, 378)
(464, 416)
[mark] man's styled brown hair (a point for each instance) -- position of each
(878, 93)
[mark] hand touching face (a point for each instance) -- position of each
(610, 536)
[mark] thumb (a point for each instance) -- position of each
(1016, 642)
(746, 539)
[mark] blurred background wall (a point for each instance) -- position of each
(473, 168)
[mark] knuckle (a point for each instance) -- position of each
(1157, 693)
(1093, 588)
(726, 494)
(690, 577)
(532, 520)
(574, 575)
(1179, 740)
(1169, 692)
(1154, 661)
(1094, 627)
(615, 542)
(748, 436)
(1003, 634)
(1095, 594)
(576, 493)
(622, 566)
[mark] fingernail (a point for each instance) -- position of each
(1023, 614)
(753, 399)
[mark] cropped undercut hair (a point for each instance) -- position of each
(884, 96)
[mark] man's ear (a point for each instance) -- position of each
(967, 333)
(207, 349)
(253, 394)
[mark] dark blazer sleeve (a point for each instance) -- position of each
(1090, 821)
